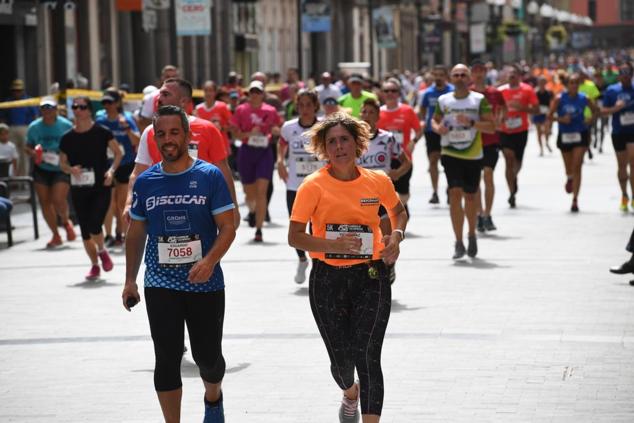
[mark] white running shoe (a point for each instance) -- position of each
(349, 411)
(300, 276)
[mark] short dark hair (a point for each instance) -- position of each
(312, 96)
(172, 111)
(184, 85)
(372, 103)
(441, 68)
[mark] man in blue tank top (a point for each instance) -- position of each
(183, 207)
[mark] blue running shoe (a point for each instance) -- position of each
(214, 413)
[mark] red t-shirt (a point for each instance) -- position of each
(517, 121)
(400, 122)
(206, 139)
(496, 100)
(219, 114)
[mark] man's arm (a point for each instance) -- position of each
(202, 270)
(138, 169)
(223, 165)
(134, 245)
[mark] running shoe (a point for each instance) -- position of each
(106, 261)
(70, 232)
(568, 186)
(214, 412)
(574, 207)
(480, 226)
(258, 236)
(627, 267)
(590, 156)
(94, 273)
(267, 217)
(251, 219)
(300, 276)
(434, 199)
(459, 250)
(118, 241)
(623, 206)
(511, 201)
(488, 224)
(56, 241)
(349, 410)
(472, 248)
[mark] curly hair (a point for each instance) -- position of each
(359, 130)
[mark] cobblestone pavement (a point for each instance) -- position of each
(534, 330)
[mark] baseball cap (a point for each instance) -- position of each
(112, 96)
(256, 85)
(330, 101)
(48, 101)
(355, 77)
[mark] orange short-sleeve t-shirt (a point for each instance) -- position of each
(337, 207)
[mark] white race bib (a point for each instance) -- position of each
(543, 109)
(627, 118)
(571, 137)
(334, 231)
(459, 136)
(85, 179)
(179, 250)
(50, 157)
(110, 154)
(258, 141)
(193, 150)
(304, 166)
(513, 123)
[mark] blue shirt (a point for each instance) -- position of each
(48, 136)
(429, 100)
(180, 205)
(20, 116)
(120, 134)
(614, 93)
(573, 107)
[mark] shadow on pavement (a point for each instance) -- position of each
(478, 264)
(273, 225)
(60, 248)
(263, 243)
(99, 283)
(398, 307)
(301, 292)
(497, 237)
(409, 234)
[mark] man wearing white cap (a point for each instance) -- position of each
(51, 184)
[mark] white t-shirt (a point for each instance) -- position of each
(460, 137)
(381, 150)
(8, 152)
(300, 162)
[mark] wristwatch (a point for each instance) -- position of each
(400, 231)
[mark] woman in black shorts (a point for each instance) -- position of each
(83, 155)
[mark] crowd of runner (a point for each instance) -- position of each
(344, 150)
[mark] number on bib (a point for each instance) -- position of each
(571, 137)
(627, 119)
(543, 109)
(50, 157)
(179, 250)
(304, 166)
(514, 123)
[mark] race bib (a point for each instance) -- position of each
(110, 154)
(627, 118)
(514, 123)
(459, 136)
(176, 251)
(304, 166)
(398, 136)
(193, 150)
(334, 231)
(50, 157)
(543, 109)
(85, 179)
(571, 137)
(258, 141)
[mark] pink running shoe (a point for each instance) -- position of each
(106, 261)
(94, 273)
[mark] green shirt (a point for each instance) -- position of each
(354, 105)
(592, 92)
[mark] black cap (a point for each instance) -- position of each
(330, 101)
(110, 96)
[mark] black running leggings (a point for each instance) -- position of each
(351, 311)
(91, 206)
(203, 312)
(290, 200)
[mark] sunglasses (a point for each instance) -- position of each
(390, 91)
(47, 107)
(79, 106)
(459, 75)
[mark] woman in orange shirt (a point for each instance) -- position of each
(349, 289)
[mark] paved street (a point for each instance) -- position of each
(534, 330)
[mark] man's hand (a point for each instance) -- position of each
(108, 177)
(442, 129)
(391, 251)
(282, 171)
(348, 244)
(566, 119)
(75, 170)
(201, 271)
(130, 290)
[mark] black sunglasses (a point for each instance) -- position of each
(47, 107)
(459, 75)
(79, 106)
